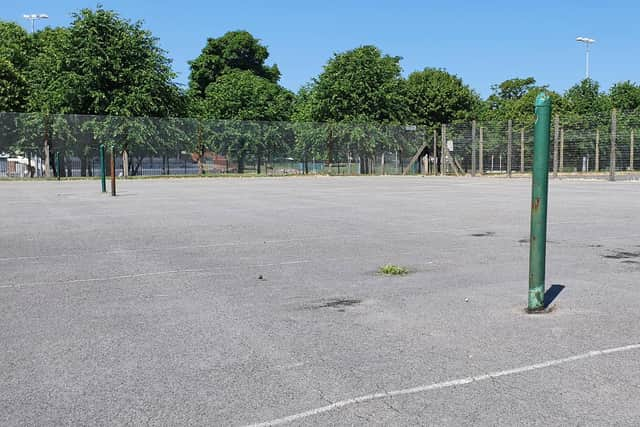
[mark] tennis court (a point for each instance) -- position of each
(247, 301)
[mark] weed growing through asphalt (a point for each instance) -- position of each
(393, 270)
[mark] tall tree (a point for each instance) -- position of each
(586, 99)
(360, 85)
(625, 96)
(513, 88)
(247, 99)
(513, 99)
(116, 67)
(234, 51)
(435, 96)
(15, 47)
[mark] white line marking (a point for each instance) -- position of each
(157, 273)
(446, 384)
(100, 279)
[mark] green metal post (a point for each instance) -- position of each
(113, 171)
(57, 157)
(540, 190)
(103, 170)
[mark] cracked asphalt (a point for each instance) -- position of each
(239, 301)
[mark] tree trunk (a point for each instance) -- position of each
(259, 164)
(47, 159)
(125, 164)
(83, 166)
(200, 164)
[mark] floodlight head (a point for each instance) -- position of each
(585, 40)
(43, 16)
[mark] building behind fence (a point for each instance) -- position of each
(176, 146)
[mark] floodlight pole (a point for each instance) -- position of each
(33, 17)
(588, 42)
(539, 193)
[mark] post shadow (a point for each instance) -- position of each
(551, 294)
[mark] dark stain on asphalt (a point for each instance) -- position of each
(337, 303)
(622, 255)
(485, 234)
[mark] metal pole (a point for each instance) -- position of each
(587, 73)
(597, 166)
(103, 170)
(561, 167)
(556, 137)
(481, 152)
(57, 159)
(444, 147)
(435, 152)
(473, 148)
(539, 192)
(113, 171)
(612, 158)
(631, 143)
(509, 147)
(522, 150)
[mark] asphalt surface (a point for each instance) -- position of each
(240, 301)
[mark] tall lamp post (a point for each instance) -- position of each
(587, 41)
(33, 17)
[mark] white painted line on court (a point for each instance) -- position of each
(441, 385)
(157, 273)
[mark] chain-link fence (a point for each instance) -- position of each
(39, 145)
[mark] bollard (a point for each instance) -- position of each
(57, 159)
(539, 192)
(103, 170)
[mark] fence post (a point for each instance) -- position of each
(481, 152)
(561, 168)
(631, 150)
(103, 170)
(443, 141)
(435, 152)
(539, 192)
(509, 146)
(473, 148)
(597, 165)
(556, 135)
(57, 160)
(522, 150)
(612, 159)
(113, 171)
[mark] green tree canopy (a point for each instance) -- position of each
(625, 96)
(241, 95)
(234, 51)
(361, 85)
(513, 88)
(514, 100)
(435, 96)
(15, 44)
(246, 99)
(106, 65)
(586, 99)
(13, 87)
(15, 47)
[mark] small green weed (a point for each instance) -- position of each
(393, 270)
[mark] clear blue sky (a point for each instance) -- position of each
(484, 42)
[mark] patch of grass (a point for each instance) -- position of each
(393, 270)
